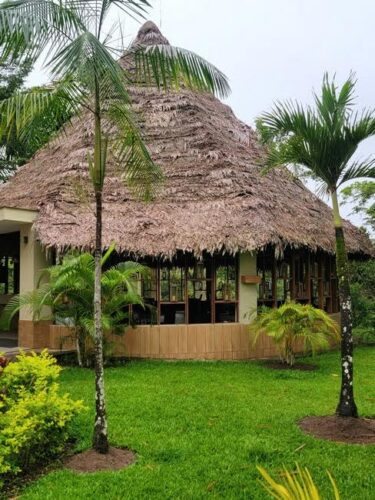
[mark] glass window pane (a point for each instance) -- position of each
(147, 288)
(226, 279)
(225, 313)
(199, 285)
(172, 314)
(172, 284)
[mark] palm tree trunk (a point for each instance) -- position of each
(346, 406)
(79, 357)
(100, 438)
(100, 441)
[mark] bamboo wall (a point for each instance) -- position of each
(227, 341)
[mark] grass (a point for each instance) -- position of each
(199, 430)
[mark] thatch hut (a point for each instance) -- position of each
(221, 238)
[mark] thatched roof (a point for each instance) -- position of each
(213, 198)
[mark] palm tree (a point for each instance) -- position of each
(65, 293)
(323, 140)
(291, 323)
(87, 78)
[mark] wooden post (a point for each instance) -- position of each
(320, 282)
(186, 265)
(274, 284)
(158, 292)
(6, 276)
(292, 275)
(308, 278)
(213, 289)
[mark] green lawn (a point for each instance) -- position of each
(199, 429)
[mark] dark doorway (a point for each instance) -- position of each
(9, 281)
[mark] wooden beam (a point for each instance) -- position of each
(213, 290)
(308, 277)
(274, 277)
(320, 282)
(251, 279)
(292, 275)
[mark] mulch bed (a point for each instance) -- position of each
(92, 461)
(341, 429)
(279, 365)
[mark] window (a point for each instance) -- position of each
(226, 290)
(189, 290)
(266, 271)
(302, 276)
(199, 288)
(147, 288)
(172, 294)
(282, 282)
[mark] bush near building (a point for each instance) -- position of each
(34, 415)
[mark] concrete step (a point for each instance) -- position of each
(7, 344)
(8, 336)
(8, 340)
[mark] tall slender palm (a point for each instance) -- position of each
(323, 140)
(87, 78)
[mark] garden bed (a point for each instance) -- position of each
(341, 429)
(92, 461)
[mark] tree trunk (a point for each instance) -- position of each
(79, 357)
(100, 439)
(346, 406)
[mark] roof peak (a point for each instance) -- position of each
(150, 34)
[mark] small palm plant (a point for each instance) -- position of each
(66, 291)
(295, 486)
(292, 323)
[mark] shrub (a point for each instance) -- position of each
(363, 297)
(34, 416)
(31, 374)
(291, 323)
(364, 335)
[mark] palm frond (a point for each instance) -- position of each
(23, 110)
(334, 107)
(298, 485)
(169, 67)
(133, 8)
(135, 164)
(322, 139)
(37, 302)
(358, 170)
(91, 64)
(290, 322)
(28, 26)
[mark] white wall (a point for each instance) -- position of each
(32, 260)
(248, 293)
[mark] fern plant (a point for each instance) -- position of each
(65, 294)
(292, 323)
(297, 485)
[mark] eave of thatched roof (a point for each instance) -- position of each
(213, 198)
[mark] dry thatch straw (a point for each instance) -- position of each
(213, 198)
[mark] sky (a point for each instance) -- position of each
(272, 50)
